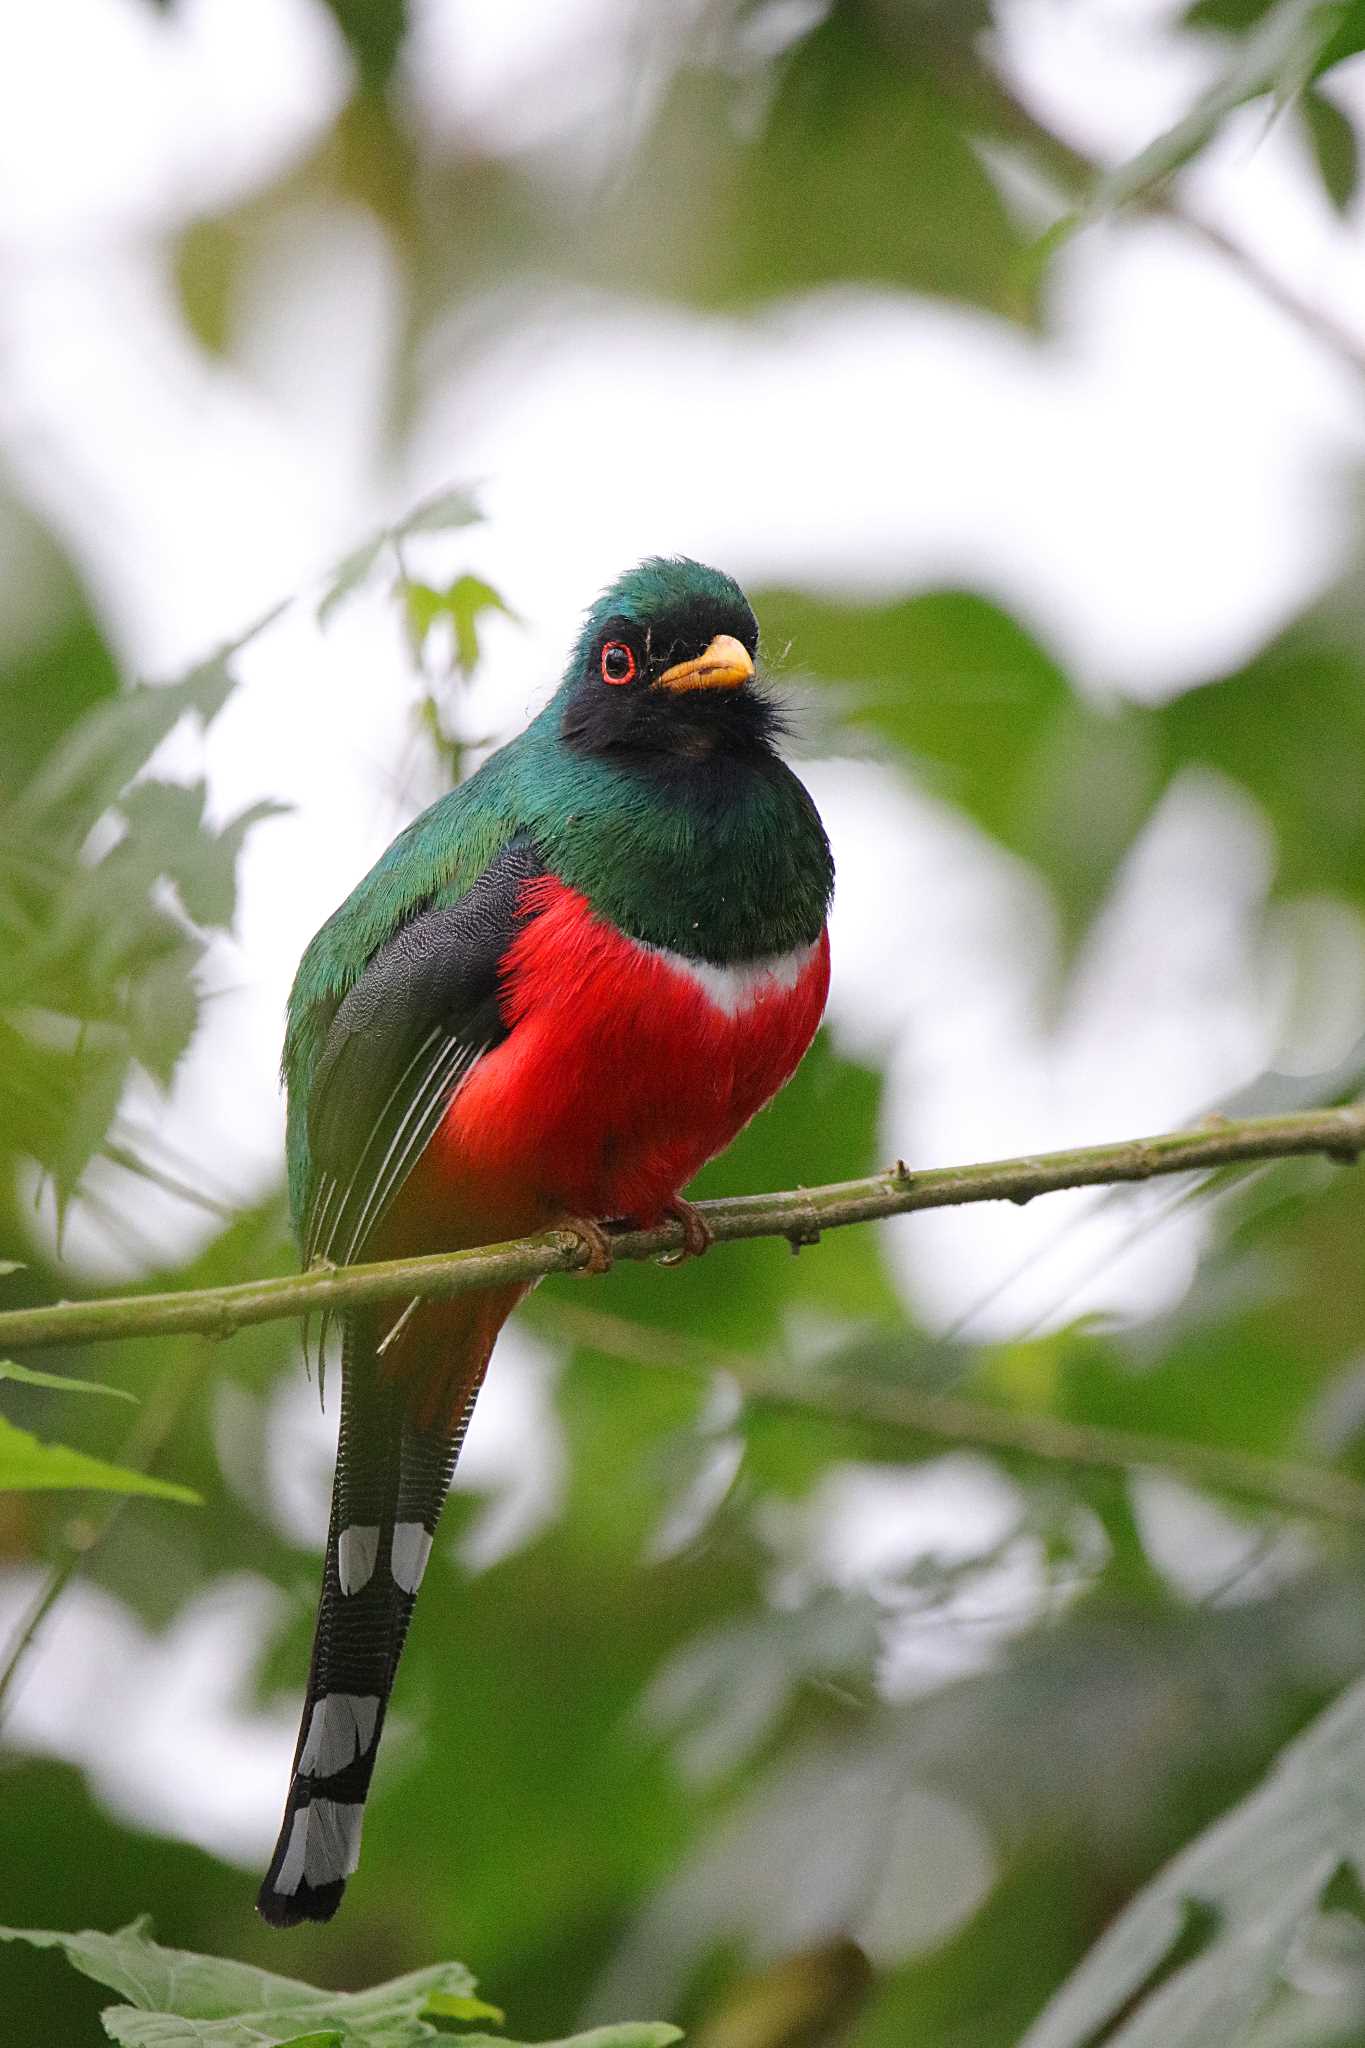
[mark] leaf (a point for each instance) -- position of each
(60, 1382)
(1348, 40)
(168, 835)
(135, 2029)
(1242, 1895)
(454, 2005)
(1305, 771)
(1295, 42)
(202, 1987)
(442, 513)
(28, 1466)
(1335, 149)
(99, 756)
(1236, 16)
(11, 1266)
(863, 171)
(181, 2000)
(988, 720)
(168, 2030)
(349, 574)
(463, 603)
(374, 29)
(629, 2034)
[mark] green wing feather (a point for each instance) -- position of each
(433, 863)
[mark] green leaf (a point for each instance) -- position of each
(1241, 1897)
(1234, 16)
(1305, 771)
(1335, 149)
(168, 835)
(133, 2029)
(199, 1987)
(99, 756)
(60, 1382)
(454, 2005)
(181, 2000)
(1348, 40)
(987, 720)
(443, 513)
(629, 2034)
(374, 30)
(862, 171)
(463, 603)
(28, 1466)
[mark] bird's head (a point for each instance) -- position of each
(663, 671)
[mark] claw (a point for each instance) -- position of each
(698, 1235)
(599, 1259)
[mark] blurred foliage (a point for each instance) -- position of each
(660, 1754)
(1205, 1949)
(1282, 49)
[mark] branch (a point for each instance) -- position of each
(799, 1215)
(1292, 1486)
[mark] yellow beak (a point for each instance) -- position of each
(724, 666)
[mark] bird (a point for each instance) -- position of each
(564, 987)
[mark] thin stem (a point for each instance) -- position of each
(799, 1215)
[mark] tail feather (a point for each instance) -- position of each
(392, 1477)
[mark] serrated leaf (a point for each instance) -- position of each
(1254, 1883)
(167, 835)
(203, 1987)
(182, 2000)
(60, 1382)
(463, 602)
(29, 1466)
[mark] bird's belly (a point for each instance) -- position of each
(626, 1068)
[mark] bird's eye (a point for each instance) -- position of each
(618, 662)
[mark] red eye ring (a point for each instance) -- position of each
(618, 663)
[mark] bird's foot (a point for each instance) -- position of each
(595, 1237)
(698, 1235)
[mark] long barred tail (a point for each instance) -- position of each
(390, 1486)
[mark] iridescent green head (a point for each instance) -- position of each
(664, 668)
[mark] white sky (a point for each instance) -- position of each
(1154, 490)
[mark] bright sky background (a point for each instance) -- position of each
(1153, 490)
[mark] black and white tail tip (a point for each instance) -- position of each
(367, 1602)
